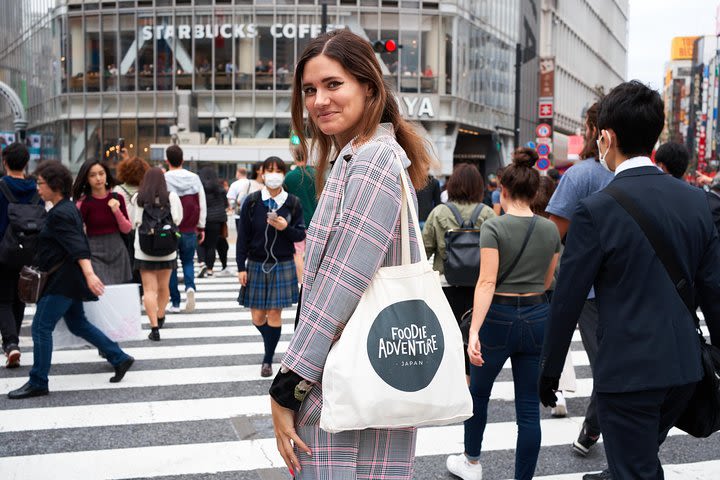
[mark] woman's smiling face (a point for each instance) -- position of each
(334, 98)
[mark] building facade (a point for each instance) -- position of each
(584, 43)
(90, 72)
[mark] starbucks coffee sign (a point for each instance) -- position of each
(227, 30)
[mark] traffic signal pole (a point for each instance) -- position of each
(323, 17)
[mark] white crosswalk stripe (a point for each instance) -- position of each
(177, 411)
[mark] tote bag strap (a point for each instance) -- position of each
(404, 226)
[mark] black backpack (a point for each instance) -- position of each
(158, 235)
(25, 220)
(462, 249)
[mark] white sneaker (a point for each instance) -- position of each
(225, 272)
(560, 408)
(459, 466)
(172, 309)
(190, 300)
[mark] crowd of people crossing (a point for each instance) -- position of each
(523, 260)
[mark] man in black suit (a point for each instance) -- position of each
(648, 361)
(713, 197)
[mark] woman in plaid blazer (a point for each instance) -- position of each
(354, 232)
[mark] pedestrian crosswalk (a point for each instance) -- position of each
(195, 406)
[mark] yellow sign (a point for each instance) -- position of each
(682, 48)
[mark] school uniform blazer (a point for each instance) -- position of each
(345, 247)
(646, 336)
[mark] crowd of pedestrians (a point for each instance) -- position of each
(547, 254)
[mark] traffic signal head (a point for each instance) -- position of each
(385, 46)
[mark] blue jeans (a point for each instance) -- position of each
(516, 333)
(186, 252)
(50, 309)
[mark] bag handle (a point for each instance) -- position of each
(404, 227)
(664, 253)
(522, 250)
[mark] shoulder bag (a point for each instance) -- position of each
(466, 319)
(399, 360)
(701, 417)
(32, 280)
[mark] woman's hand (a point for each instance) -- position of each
(285, 435)
(95, 284)
(474, 349)
(279, 223)
(114, 204)
(242, 278)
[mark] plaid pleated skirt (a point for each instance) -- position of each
(110, 259)
(265, 291)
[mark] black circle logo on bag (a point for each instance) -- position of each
(406, 345)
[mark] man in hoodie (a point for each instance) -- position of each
(14, 160)
(188, 187)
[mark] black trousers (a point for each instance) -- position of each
(209, 246)
(11, 308)
(635, 424)
(460, 300)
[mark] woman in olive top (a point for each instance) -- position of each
(518, 255)
(465, 191)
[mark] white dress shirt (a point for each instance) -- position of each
(635, 162)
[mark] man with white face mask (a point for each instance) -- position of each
(648, 361)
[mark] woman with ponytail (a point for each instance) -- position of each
(360, 143)
(518, 255)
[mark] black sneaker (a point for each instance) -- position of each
(584, 442)
(604, 475)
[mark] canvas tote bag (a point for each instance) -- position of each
(399, 361)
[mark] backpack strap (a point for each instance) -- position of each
(456, 214)
(5, 189)
(476, 213)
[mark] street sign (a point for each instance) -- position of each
(543, 150)
(545, 108)
(530, 145)
(543, 130)
(547, 141)
(543, 163)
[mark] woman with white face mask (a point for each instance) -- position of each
(271, 221)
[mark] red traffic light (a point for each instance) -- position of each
(387, 46)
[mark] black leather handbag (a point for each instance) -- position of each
(701, 417)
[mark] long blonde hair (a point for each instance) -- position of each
(357, 57)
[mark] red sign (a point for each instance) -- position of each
(547, 77)
(545, 109)
(543, 130)
(543, 163)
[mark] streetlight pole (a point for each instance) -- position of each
(518, 64)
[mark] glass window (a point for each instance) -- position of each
(225, 65)
(285, 38)
(146, 136)
(264, 67)
(76, 57)
(203, 35)
(110, 135)
(164, 36)
(127, 65)
(92, 53)
(146, 51)
(449, 55)
(183, 49)
(244, 52)
(110, 52)
(430, 54)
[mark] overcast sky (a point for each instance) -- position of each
(653, 24)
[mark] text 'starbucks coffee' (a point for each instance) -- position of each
(405, 345)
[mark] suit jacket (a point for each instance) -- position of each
(647, 339)
(714, 202)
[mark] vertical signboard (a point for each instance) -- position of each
(546, 109)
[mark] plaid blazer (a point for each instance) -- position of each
(348, 240)
(345, 248)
